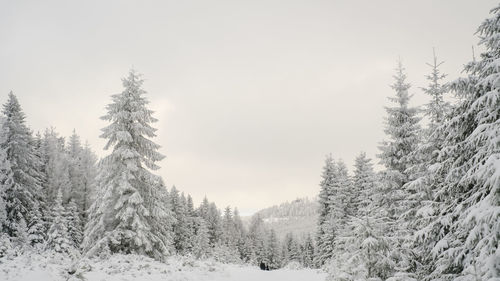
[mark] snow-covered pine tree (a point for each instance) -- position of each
(214, 223)
(398, 157)
(273, 251)
(6, 177)
(256, 246)
(403, 130)
(159, 202)
(76, 171)
(190, 206)
(339, 210)
(58, 237)
(23, 196)
(363, 185)
(426, 175)
(325, 245)
(74, 224)
(366, 251)
(471, 218)
(340, 196)
(437, 108)
(291, 251)
(249, 251)
(307, 251)
(21, 237)
(122, 216)
(89, 166)
(226, 248)
(5, 245)
(326, 190)
(239, 232)
(203, 208)
(228, 231)
(56, 164)
(201, 247)
(181, 232)
(37, 226)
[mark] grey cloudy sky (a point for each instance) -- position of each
(250, 95)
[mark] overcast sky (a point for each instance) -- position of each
(251, 95)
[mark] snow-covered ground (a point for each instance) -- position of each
(124, 268)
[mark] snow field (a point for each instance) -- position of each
(133, 267)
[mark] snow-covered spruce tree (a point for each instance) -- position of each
(58, 237)
(158, 201)
(397, 155)
(325, 246)
(202, 210)
(214, 223)
(256, 246)
(6, 177)
(365, 251)
(307, 251)
(403, 130)
(74, 223)
(5, 245)
(291, 249)
(55, 163)
(339, 211)
(340, 197)
(182, 236)
(363, 183)
(122, 216)
(326, 190)
(239, 232)
(426, 176)
(89, 166)
(77, 170)
(227, 246)
(23, 195)
(228, 231)
(273, 251)
(201, 247)
(21, 237)
(471, 218)
(248, 254)
(37, 226)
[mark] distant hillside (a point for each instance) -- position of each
(299, 217)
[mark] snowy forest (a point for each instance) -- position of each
(431, 213)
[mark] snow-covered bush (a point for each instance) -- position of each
(293, 265)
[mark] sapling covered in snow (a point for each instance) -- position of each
(74, 224)
(58, 237)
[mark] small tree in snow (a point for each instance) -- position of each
(58, 238)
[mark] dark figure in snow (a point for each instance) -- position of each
(262, 266)
(267, 267)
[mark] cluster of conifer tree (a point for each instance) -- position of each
(56, 196)
(46, 185)
(433, 212)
